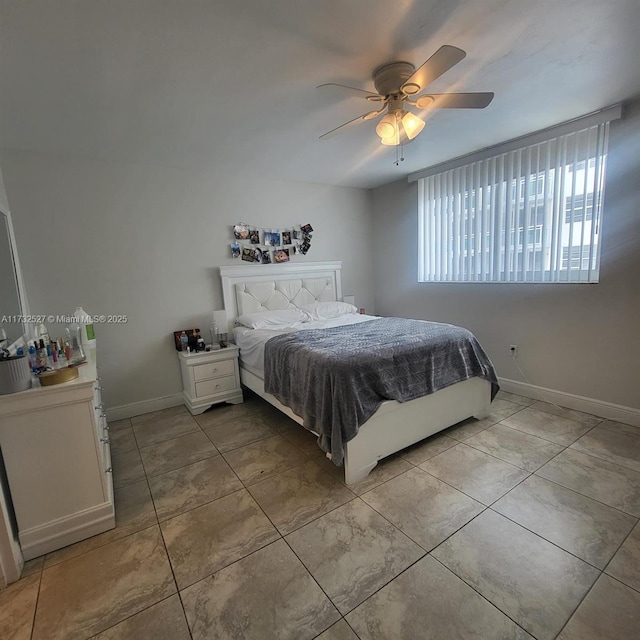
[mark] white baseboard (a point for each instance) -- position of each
(145, 406)
(600, 408)
(65, 531)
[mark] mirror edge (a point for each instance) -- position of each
(22, 295)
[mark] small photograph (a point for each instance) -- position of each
(266, 256)
(295, 248)
(240, 231)
(281, 255)
(286, 237)
(257, 254)
(235, 249)
(307, 228)
(248, 254)
(272, 238)
(297, 234)
(254, 236)
(304, 248)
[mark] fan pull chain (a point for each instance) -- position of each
(399, 154)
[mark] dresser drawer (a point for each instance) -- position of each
(213, 370)
(217, 385)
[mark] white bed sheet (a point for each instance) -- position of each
(252, 341)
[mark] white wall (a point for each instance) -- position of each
(146, 242)
(578, 339)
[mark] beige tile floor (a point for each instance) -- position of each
(232, 525)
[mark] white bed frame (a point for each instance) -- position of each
(395, 425)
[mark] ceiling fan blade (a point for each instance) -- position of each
(343, 88)
(367, 116)
(455, 100)
(440, 62)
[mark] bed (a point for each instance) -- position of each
(255, 289)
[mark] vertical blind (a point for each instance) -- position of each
(530, 214)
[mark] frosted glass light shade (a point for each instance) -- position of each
(387, 127)
(388, 130)
(412, 125)
(393, 141)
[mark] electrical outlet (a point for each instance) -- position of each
(513, 350)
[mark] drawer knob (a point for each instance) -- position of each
(99, 406)
(109, 470)
(105, 440)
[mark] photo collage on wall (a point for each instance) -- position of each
(264, 246)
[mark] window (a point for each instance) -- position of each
(529, 214)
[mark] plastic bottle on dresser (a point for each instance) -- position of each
(184, 342)
(43, 334)
(87, 332)
(33, 358)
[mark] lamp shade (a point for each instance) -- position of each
(388, 130)
(412, 125)
(220, 320)
(393, 141)
(387, 127)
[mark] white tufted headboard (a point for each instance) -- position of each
(251, 288)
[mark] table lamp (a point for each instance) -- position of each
(220, 326)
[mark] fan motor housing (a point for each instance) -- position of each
(389, 78)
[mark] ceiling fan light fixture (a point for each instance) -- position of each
(398, 85)
(411, 88)
(424, 102)
(387, 128)
(371, 114)
(391, 141)
(412, 125)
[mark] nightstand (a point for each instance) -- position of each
(209, 377)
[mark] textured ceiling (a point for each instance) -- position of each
(196, 84)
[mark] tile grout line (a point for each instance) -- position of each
(584, 495)
(633, 515)
(593, 455)
(480, 594)
(35, 608)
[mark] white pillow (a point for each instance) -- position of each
(327, 310)
(277, 318)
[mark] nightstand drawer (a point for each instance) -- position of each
(213, 370)
(217, 385)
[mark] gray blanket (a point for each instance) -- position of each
(335, 379)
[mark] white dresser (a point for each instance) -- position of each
(55, 445)
(209, 377)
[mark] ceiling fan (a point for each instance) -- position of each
(398, 84)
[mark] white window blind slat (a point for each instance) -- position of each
(599, 183)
